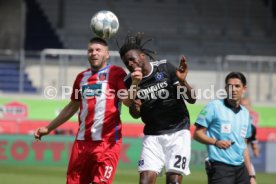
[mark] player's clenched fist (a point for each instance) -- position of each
(136, 75)
(182, 71)
(41, 132)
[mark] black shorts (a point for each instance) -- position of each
(220, 173)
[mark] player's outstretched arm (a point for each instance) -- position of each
(181, 74)
(67, 112)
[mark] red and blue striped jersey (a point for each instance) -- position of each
(99, 115)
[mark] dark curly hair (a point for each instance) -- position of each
(135, 42)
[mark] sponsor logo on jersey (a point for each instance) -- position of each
(202, 115)
(153, 91)
(203, 112)
(226, 128)
(91, 90)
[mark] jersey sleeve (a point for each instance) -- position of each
(127, 81)
(76, 92)
(172, 70)
(121, 74)
(206, 116)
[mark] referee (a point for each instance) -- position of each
(224, 125)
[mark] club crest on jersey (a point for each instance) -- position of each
(102, 76)
(91, 90)
(159, 76)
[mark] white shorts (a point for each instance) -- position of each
(171, 150)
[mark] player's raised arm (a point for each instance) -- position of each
(181, 74)
(136, 77)
(131, 101)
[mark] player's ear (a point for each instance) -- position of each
(226, 88)
(107, 54)
(244, 89)
(142, 55)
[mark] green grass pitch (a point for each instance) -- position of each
(46, 175)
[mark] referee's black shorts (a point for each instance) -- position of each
(221, 173)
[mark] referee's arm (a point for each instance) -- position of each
(200, 135)
(247, 160)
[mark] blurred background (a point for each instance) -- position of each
(43, 47)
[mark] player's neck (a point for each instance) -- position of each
(234, 103)
(147, 69)
(97, 69)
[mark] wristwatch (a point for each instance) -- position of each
(252, 176)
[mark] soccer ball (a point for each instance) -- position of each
(104, 24)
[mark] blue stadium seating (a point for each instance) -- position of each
(39, 33)
(10, 78)
(240, 26)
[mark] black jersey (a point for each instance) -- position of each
(162, 110)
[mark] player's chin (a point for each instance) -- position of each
(235, 98)
(130, 69)
(95, 63)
